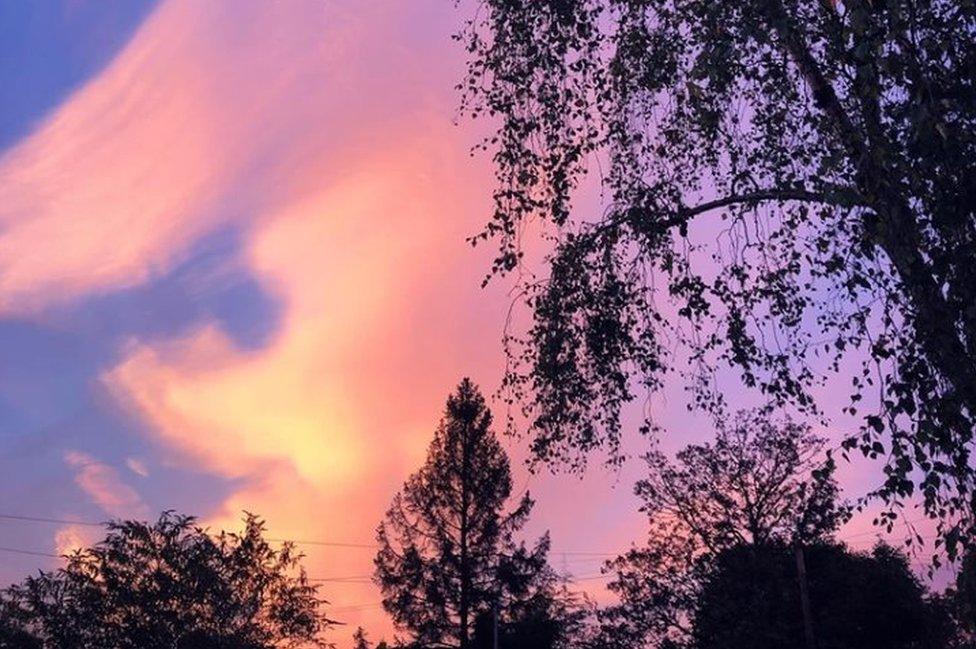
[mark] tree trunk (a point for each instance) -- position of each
(494, 627)
(801, 577)
(898, 235)
(464, 605)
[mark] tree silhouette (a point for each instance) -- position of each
(749, 600)
(961, 601)
(552, 618)
(359, 640)
(16, 630)
(169, 585)
(790, 188)
(761, 482)
(447, 552)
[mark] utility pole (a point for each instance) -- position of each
(801, 574)
(494, 635)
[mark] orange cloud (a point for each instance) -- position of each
(327, 418)
(343, 261)
(270, 118)
(70, 538)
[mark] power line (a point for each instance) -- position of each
(584, 555)
(602, 575)
(365, 579)
(878, 532)
(331, 544)
(65, 521)
(349, 579)
(57, 521)
(352, 608)
(314, 542)
(32, 553)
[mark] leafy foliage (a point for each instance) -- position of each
(169, 584)
(359, 639)
(961, 602)
(447, 553)
(790, 190)
(760, 483)
(861, 601)
(551, 618)
(760, 480)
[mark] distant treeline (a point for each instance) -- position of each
(741, 553)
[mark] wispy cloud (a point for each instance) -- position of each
(352, 194)
(137, 466)
(103, 485)
(115, 185)
(338, 407)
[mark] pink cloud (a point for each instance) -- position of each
(105, 487)
(70, 538)
(112, 188)
(137, 466)
(353, 192)
(327, 418)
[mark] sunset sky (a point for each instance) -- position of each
(234, 276)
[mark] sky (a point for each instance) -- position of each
(234, 276)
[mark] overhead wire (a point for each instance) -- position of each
(578, 556)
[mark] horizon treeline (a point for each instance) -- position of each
(740, 551)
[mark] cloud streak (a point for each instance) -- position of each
(338, 406)
(105, 487)
(112, 189)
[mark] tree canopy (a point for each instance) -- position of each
(359, 639)
(165, 585)
(719, 569)
(869, 600)
(550, 618)
(961, 601)
(790, 190)
(761, 482)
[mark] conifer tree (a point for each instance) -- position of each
(447, 553)
(359, 639)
